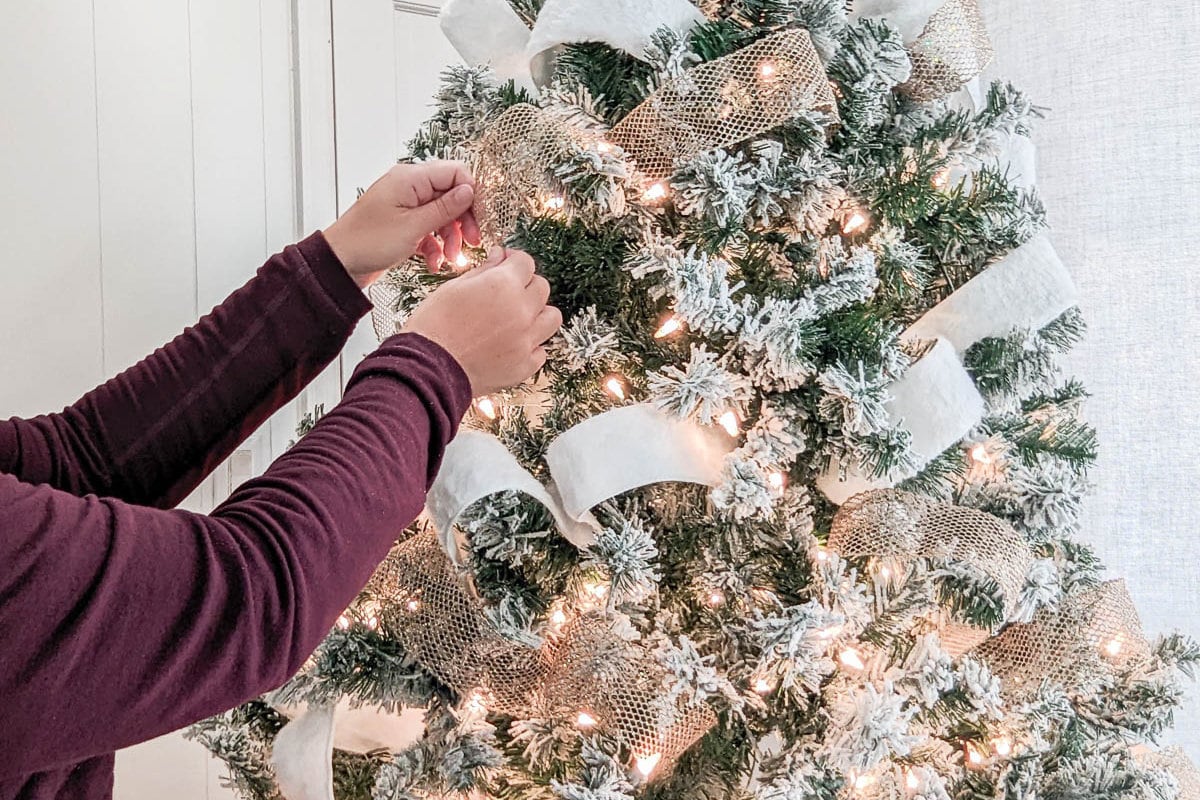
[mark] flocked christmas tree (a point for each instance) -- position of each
(792, 512)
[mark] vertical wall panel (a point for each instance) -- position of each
(146, 175)
(50, 322)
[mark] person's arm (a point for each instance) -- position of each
(153, 433)
(119, 623)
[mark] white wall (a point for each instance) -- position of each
(1120, 174)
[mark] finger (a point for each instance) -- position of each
(470, 228)
(538, 291)
(430, 249)
(521, 263)
(495, 257)
(452, 243)
(547, 324)
(537, 360)
(423, 183)
(444, 209)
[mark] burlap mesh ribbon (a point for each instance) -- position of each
(513, 168)
(896, 526)
(586, 668)
(726, 101)
(1093, 632)
(953, 49)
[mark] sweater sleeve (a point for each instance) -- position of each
(153, 433)
(120, 622)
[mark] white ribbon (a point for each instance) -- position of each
(490, 32)
(302, 755)
(1027, 289)
(936, 401)
(602, 457)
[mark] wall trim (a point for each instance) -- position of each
(424, 9)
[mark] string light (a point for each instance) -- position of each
(598, 590)
(615, 385)
(487, 407)
(656, 192)
(554, 203)
(941, 179)
(671, 324)
(585, 721)
(413, 605)
(851, 658)
(822, 554)
(767, 69)
(911, 780)
(862, 781)
(462, 261)
(777, 481)
(343, 622)
(729, 421)
(974, 757)
(604, 147)
(855, 223)
(1003, 746)
(716, 599)
(646, 764)
(1113, 647)
(762, 686)
(885, 573)
(980, 454)
(558, 617)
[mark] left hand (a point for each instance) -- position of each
(415, 208)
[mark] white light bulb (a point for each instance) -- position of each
(767, 69)
(1113, 647)
(656, 191)
(604, 147)
(462, 260)
(777, 480)
(671, 325)
(762, 686)
(864, 781)
(1003, 746)
(941, 178)
(729, 421)
(487, 407)
(585, 720)
(911, 780)
(646, 764)
(343, 622)
(413, 605)
(558, 617)
(974, 757)
(822, 554)
(851, 658)
(716, 599)
(554, 203)
(615, 386)
(855, 223)
(980, 454)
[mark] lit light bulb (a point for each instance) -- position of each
(851, 658)
(671, 325)
(1113, 647)
(646, 764)
(777, 480)
(911, 780)
(974, 757)
(656, 192)
(885, 573)
(343, 622)
(864, 781)
(462, 261)
(941, 179)
(1003, 746)
(716, 599)
(729, 421)
(767, 69)
(615, 386)
(980, 454)
(476, 703)
(822, 554)
(585, 721)
(604, 147)
(413, 605)
(558, 617)
(598, 590)
(855, 223)
(487, 407)
(762, 686)
(372, 622)
(554, 203)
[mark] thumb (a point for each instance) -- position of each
(441, 211)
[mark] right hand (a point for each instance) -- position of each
(494, 320)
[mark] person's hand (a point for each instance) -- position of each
(494, 320)
(414, 208)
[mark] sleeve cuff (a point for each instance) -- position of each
(327, 268)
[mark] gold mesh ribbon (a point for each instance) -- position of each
(512, 166)
(953, 49)
(894, 526)
(1176, 762)
(586, 669)
(726, 101)
(1093, 632)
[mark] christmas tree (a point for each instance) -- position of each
(792, 511)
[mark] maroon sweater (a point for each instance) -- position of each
(120, 620)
